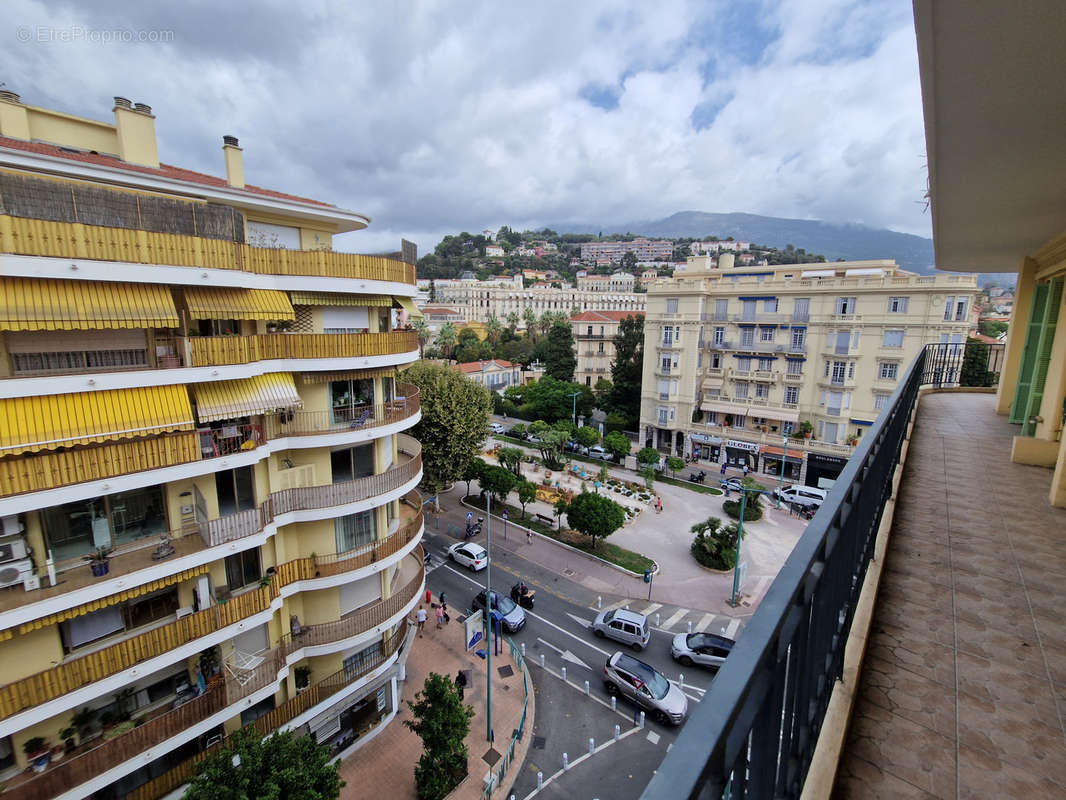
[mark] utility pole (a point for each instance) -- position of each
(573, 416)
(488, 615)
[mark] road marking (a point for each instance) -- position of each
(578, 760)
(704, 623)
(692, 697)
(584, 623)
(647, 612)
(613, 606)
(565, 655)
(653, 737)
(731, 630)
(549, 644)
(677, 615)
(699, 689)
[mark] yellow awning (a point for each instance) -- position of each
(112, 599)
(330, 299)
(723, 407)
(408, 305)
(46, 422)
(241, 398)
(782, 414)
(712, 383)
(217, 303)
(30, 304)
(347, 375)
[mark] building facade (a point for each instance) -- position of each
(612, 252)
(480, 302)
(495, 374)
(207, 493)
(735, 359)
(615, 282)
(594, 333)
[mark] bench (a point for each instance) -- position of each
(546, 519)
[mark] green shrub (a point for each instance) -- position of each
(752, 512)
(715, 545)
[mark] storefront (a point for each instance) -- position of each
(705, 447)
(822, 470)
(773, 457)
(741, 454)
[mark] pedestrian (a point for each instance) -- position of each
(723, 469)
(421, 618)
(745, 470)
(529, 537)
(440, 617)
(443, 598)
(460, 682)
(659, 504)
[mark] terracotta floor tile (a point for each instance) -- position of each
(860, 779)
(908, 695)
(924, 657)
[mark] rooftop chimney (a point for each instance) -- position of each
(234, 161)
(14, 119)
(136, 133)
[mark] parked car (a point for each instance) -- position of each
(645, 685)
(532, 438)
(511, 614)
(597, 451)
(469, 554)
(496, 427)
(802, 495)
(731, 484)
(574, 447)
(515, 434)
(627, 627)
(708, 649)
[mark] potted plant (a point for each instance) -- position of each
(303, 677)
(853, 440)
(806, 428)
(83, 721)
(67, 735)
(99, 560)
(37, 752)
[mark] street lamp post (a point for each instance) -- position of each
(573, 416)
(740, 535)
(488, 616)
(781, 474)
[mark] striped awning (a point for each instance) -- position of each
(31, 304)
(112, 599)
(408, 305)
(46, 422)
(227, 303)
(725, 408)
(241, 398)
(330, 299)
(712, 383)
(782, 414)
(347, 375)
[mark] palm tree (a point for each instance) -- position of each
(512, 321)
(494, 330)
(529, 316)
(424, 334)
(545, 321)
(447, 339)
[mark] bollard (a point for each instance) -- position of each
(592, 745)
(614, 703)
(588, 690)
(681, 679)
(566, 763)
(542, 659)
(599, 602)
(523, 649)
(641, 719)
(627, 606)
(617, 732)
(690, 626)
(540, 780)
(656, 619)
(564, 674)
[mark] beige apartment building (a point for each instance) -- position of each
(594, 333)
(737, 358)
(480, 302)
(208, 509)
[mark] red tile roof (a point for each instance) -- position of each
(605, 316)
(479, 366)
(163, 171)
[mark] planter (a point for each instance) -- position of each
(100, 568)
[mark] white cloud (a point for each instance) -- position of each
(434, 117)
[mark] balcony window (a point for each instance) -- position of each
(355, 530)
(799, 339)
(769, 305)
(766, 364)
(898, 305)
(762, 390)
(7, 753)
(743, 365)
(243, 569)
(843, 342)
(881, 402)
(829, 431)
(767, 334)
(739, 421)
(716, 360)
(791, 394)
(949, 306)
(793, 367)
(719, 336)
(215, 327)
(360, 662)
(887, 370)
(747, 310)
(350, 463)
(747, 337)
(801, 308)
(671, 305)
(845, 305)
(589, 331)
(838, 371)
(96, 625)
(712, 416)
(740, 391)
(236, 490)
(73, 529)
(960, 310)
(349, 399)
(721, 310)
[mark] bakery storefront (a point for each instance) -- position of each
(741, 454)
(774, 457)
(822, 470)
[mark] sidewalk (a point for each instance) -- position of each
(389, 759)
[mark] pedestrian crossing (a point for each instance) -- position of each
(672, 619)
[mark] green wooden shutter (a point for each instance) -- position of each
(1036, 356)
(1029, 349)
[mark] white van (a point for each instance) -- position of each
(802, 495)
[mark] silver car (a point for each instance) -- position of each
(708, 649)
(623, 626)
(510, 613)
(650, 689)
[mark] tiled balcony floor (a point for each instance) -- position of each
(963, 690)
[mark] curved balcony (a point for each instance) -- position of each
(217, 351)
(220, 695)
(316, 423)
(79, 672)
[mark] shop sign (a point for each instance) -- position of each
(381, 699)
(473, 627)
(738, 445)
(835, 461)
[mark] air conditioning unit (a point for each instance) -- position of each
(12, 550)
(14, 571)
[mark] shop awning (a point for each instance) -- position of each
(29, 304)
(112, 599)
(241, 398)
(712, 383)
(725, 408)
(346, 375)
(45, 422)
(782, 414)
(227, 303)
(330, 299)
(792, 455)
(408, 305)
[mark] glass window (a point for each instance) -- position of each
(235, 490)
(791, 394)
(801, 308)
(794, 367)
(838, 371)
(799, 338)
(743, 365)
(769, 305)
(762, 390)
(880, 402)
(741, 391)
(845, 305)
(721, 309)
(671, 305)
(354, 530)
(960, 310)
(716, 360)
(352, 462)
(747, 337)
(893, 339)
(362, 661)
(888, 370)
(243, 569)
(766, 334)
(898, 305)
(766, 364)
(719, 335)
(73, 529)
(747, 309)
(349, 399)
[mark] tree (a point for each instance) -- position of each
(991, 327)
(559, 509)
(421, 328)
(617, 444)
(675, 465)
(975, 370)
(511, 458)
(446, 339)
(472, 472)
(470, 348)
(595, 515)
(493, 329)
(498, 481)
(559, 358)
(281, 765)
(529, 317)
(627, 368)
(550, 399)
(587, 436)
(602, 391)
(715, 545)
(648, 456)
(615, 421)
(527, 493)
(519, 428)
(442, 722)
(455, 418)
(512, 321)
(629, 261)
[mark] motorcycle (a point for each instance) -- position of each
(523, 595)
(698, 477)
(475, 529)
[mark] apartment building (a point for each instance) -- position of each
(480, 302)
(612, 252)
(495, 374)
(594, 333)
(207, 493)
(615, 282)
(736, 358)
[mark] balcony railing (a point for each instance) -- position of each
(755, 732)
(216, 351)
(71, 240)
(91, 667)
(78, 769)
(311, 423)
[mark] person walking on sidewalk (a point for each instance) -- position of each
(723, 469)
(421, 619)
(440, 616)
(529, 537)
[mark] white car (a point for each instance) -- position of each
(469, 555)
(708, 649)
(601, 453)
(808, 496)
(496, 427)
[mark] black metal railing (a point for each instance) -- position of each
(754, 733)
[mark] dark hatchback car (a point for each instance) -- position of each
(511, 614)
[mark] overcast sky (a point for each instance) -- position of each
(434, 117)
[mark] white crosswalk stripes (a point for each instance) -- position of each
(704, 624)
(681, 620)
(674, 618)
(731, 630)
